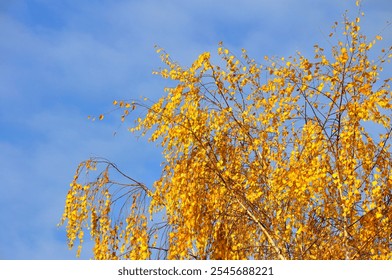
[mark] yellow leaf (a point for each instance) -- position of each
(320, 87)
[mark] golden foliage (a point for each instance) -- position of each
(286, 160)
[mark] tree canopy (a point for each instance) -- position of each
(285, 159)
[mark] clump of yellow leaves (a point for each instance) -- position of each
(286, 160)
(92, 207)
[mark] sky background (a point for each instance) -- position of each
(61, 61)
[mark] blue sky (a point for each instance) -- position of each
(64, 60)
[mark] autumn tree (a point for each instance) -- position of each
(288, 159)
